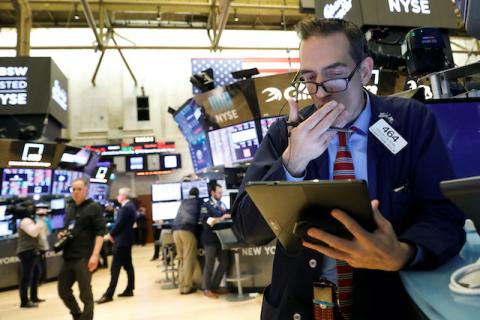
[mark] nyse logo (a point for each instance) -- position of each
(275, 94)
(338, 9)
(407, 6)
(32, 152)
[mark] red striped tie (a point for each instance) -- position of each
(342, 170)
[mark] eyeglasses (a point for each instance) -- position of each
(329, 86)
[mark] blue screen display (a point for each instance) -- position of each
(459, 125)
(191, 122)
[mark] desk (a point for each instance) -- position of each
(429, 289)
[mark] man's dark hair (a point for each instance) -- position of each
(194, 192)
(309, 27)
(213, 187)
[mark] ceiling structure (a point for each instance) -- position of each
(200, 14)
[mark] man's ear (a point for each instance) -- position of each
(366, 69)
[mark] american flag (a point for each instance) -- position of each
(222, 67)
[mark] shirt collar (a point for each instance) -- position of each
(363, 120)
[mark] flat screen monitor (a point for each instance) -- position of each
(267, 123)
(191, 121)
(99, 192)
(5, 228)
(459, 124)
(201, 185)
(3, 210)
(234, 176)
(23, 182)
(233, 144)
(63, 179)
(57, 204)
(136, 163)
(170, 161)
(57, 221)
(167, 191)
(165, 210)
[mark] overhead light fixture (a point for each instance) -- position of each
(75, 13)
(235, 16)
(158, 14)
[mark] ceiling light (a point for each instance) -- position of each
(75, 13)
(235, 17)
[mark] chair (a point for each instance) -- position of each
(167, 246)
(229, 241)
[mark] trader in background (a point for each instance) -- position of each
(215, 212)
(184, 227)
(83, 240)
(28, 246)
(122, 237)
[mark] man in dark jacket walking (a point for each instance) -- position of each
(184, 227)
(84, 238)
(122, 238)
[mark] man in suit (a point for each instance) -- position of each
(122, 238)
(417, 228)
(215, 211)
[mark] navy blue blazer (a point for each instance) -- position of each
(122, 230)
(419, 213)
(208, 235)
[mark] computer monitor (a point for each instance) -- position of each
(99, 192)
(170, 161)
(23, 182)
(266, 123)
(3, 210)
(191, 122)
(201, 185)
(459, 125)
(167, 192)
(233, 144)
(57, 221)
(234, 176)
(63, 179)
(5, 229)
(74, 158)
(165, 210)
(136, 163)
(57, 204)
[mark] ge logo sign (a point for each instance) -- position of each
(32, 152)
(101, 173)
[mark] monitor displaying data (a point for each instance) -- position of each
(5, 229)
(267, 123)
(166, 191)
(3, 211)
(191, 121)
(99, 192)
(234, 144)
(459, 125)
(57, 204)
(23, 182)
(63, 179)
(165, 210)
(136, 163)
(201, 185)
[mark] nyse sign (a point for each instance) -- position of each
(409, 6)
(13, 86)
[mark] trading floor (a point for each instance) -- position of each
(149, 302)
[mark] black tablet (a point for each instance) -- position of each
(465, 194)
(291, 208)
